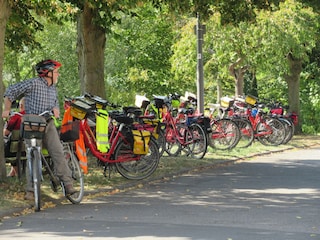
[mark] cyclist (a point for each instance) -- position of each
(41, 95)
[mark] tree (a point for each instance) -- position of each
(285, 37)
(5, 11)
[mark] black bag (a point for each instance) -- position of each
(70, 132)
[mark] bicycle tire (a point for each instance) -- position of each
(246, 132)
(277, 134)
(289, 130)
(188, 143)
(173, 147)
(139, 169)
(225, 134)
(161, 141)
(76, 174)
(200, 141)
(36, 177)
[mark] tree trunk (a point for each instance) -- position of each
(90, 48)
(5, 12)
(238, 74)
(293, 81)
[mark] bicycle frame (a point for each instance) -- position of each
(115, 137)
(171, 124)
(255, 120)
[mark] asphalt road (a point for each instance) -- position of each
(274, 197)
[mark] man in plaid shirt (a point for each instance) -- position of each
(40, 95)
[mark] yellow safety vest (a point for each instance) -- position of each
(102, 137)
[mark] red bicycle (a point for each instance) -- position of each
(120, 153)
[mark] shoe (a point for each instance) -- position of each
(29, 196)
(70, 190)
(13, 172)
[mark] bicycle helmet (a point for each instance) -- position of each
(46, 66)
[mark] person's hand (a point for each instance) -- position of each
(6, 114)
(56, 113)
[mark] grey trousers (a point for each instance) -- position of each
(52, 143)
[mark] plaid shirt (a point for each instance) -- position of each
(39, 97)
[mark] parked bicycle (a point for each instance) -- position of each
(183, 135)
(32, 131)
(267, 129)
(120, 152)
(225, 133)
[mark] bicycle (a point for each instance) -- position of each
(120, 153)
(266, 129)
(225, 133)
(32, 131)
(182, 135)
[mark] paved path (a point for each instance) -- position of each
(272, 197)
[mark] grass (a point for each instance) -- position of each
(12, 190)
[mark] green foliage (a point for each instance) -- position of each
(147, 54)
(137, 55)
(58, 42)
(291, 29)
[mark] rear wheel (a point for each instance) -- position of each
(246, 132)
(225, 134)
(275, 130)
(137, 169)
(289, 130)
(200, 141)
(76, 174)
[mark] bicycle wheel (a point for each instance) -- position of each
(225, 134)
(76, 174)
(274, 129)
(161, 141)
(200, 141)
(187, 144)
(137, 169)
(246, 132)
(36, 177)
(173, 147)
(289, 130)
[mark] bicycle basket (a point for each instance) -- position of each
(33, 126)
(70, 132)
(79, 109)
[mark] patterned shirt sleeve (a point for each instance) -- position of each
(39, 97)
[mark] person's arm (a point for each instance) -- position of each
(7, 107)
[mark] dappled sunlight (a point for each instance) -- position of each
(309, 191)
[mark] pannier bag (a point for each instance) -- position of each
(252, 100)
(33, 126)
(141, 140)
(70, 131)
(79, 109)
(226, 102)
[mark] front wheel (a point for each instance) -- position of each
(76, 174)
(36, 177)
(200, 141)
(137, 169)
